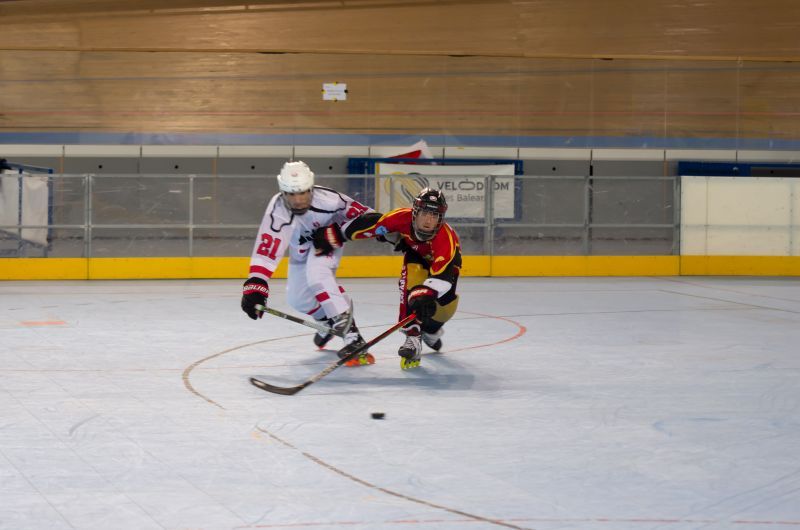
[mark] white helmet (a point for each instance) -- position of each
(295, 177)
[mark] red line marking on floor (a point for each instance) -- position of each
(521, 331)
(36, 323)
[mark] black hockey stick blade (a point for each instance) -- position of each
(285, 391)
(292, 390)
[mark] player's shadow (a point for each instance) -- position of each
(436, 372)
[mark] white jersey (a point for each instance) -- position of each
(281, 229)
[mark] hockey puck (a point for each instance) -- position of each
(378, 415)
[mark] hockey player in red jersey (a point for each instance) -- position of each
(431, 264)
(291, 216)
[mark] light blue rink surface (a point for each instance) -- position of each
(557, 403)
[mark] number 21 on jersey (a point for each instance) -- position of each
(269, 246)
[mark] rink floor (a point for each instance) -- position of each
(626, 403)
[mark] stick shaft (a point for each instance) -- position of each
(292, 318)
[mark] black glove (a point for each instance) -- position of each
(394, 239)
(327, 239)
(422, 301)
(255, 292)
(401, 245)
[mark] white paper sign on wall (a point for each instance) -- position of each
(334, 91)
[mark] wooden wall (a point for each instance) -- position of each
(573, 68)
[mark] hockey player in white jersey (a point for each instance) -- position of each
(289, 221)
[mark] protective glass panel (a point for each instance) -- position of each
(140, 242)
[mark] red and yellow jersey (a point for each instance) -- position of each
(438, 253)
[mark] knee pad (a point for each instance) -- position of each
(444, 312)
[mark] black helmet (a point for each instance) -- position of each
(428, 200)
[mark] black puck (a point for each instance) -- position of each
(378, 415)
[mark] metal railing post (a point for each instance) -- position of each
(20, 244)
(587, 215)
(87, 221)
(191, 215)
(676, 202)
(488, 215)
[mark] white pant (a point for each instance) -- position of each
(312, 287)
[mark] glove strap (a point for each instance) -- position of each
(421, 291)
(252, 288)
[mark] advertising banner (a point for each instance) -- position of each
(463, 187)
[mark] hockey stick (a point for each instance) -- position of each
(309, 323)
(292, 390)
